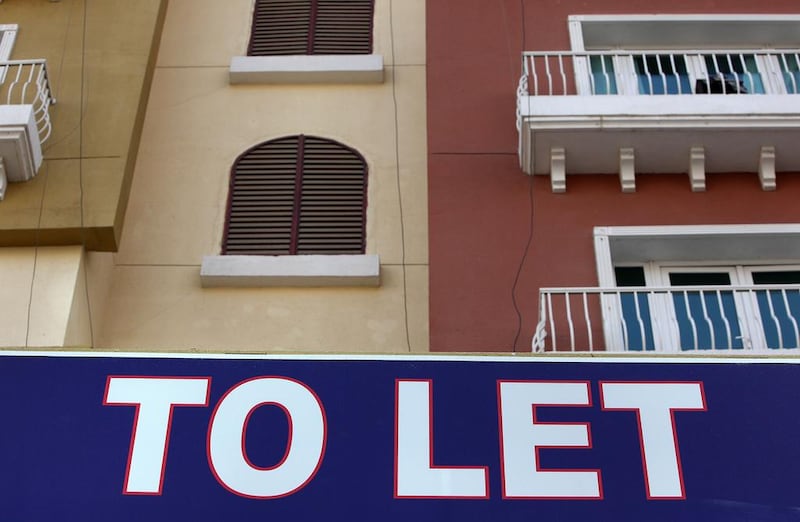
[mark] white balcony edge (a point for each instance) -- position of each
(356, 68)
(636, 111)
(290, 271)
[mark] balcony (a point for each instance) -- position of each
(659, 111)
(25, 100)
(745, 320)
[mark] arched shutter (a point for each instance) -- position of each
(297, 195)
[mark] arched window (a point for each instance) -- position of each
(292, 27)
(297, 195)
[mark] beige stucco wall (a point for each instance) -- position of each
(196, 125)
(99, 55)
(44, 299)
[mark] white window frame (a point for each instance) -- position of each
(738, 248)
(8, 35)
(768, 67)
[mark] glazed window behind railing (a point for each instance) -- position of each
(689, 319)
(661, 72)
(25, 82)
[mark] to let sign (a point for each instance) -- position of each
(160, 438)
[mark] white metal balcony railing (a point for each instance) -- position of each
(660, 72)
(663, 71)
(25, 82)
(700, 319)
(659, 111)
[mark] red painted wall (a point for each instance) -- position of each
(497, 235)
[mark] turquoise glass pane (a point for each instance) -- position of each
(603, 79)
(779, 310)
(662, 74)
(707, 320)
(790, 68)
(637, 322)
(736, 68)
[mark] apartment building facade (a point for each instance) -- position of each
(214, 241)
(645, 147)
(160, 114)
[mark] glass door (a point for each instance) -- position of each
(705, 319)
(778, 309)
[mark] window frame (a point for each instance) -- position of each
(624, 72)
(293, 270)
(8, 35)
(308, 68)
(776, 239)
(304, 190)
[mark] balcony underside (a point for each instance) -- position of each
(633, 134)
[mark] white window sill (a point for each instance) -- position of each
(355, 68)
(288, 271)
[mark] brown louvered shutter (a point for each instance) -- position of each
(287, 27)
(343, 27)
(297, 195)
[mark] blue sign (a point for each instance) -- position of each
(165, 438)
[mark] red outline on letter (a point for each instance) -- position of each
(430, 448)
(537, 448)
(288, 444)
(674, 431)
(137, 405)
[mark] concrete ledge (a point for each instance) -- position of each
(345, 68)
(314, 270)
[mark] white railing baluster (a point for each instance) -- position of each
(786, 72)
(728, 330)
(549, 75)
(552, 322)
(729, 71)
(774, 319)
(667, 324)
(791, 317)
(26, 83)
(639, 319)
(708, 320)
(623, 322)
(696, 340)
(570, 324)
(588, 320)
(537, 343)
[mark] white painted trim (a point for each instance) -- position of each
(605, 263)
(706, 17)
(623, 66)
(720, 110)
(526, 358)
(349, 68)
(290, 271)
(3, 179)
(696, 230)
(697, 169)
(610, 304)
(766, 168)
(627, 169)
(8, 35)
(558, 170)
(581, 64)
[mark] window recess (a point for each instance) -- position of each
(659, 293)
(296, 217)
(310, 41)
